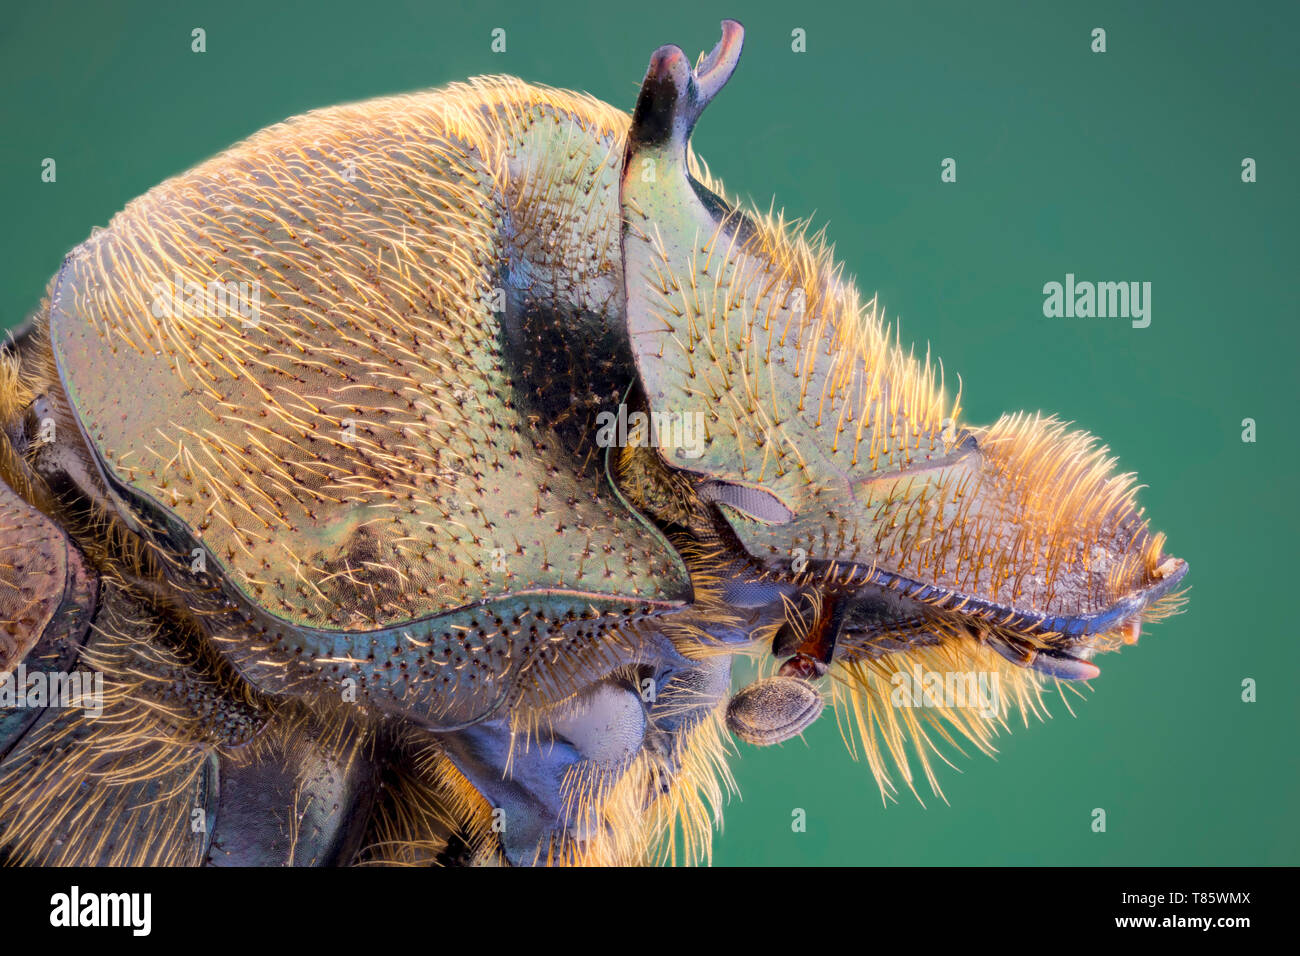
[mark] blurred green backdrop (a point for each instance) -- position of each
(1117, 166)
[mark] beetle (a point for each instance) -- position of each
(410, 476)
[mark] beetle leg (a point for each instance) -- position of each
(524, 780)
(568, 783)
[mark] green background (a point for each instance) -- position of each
(1117, 166)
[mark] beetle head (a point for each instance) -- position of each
(835, 459)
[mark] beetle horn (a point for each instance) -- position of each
(667, 197)
(673, 95)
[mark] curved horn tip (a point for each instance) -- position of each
(721, 62)
(673, 95)
(669, 60)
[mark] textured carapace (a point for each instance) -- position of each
(381, 442)
(807, 396)
(310, 455)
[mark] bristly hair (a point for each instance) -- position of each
(650, 813)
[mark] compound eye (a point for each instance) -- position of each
(751, 502)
